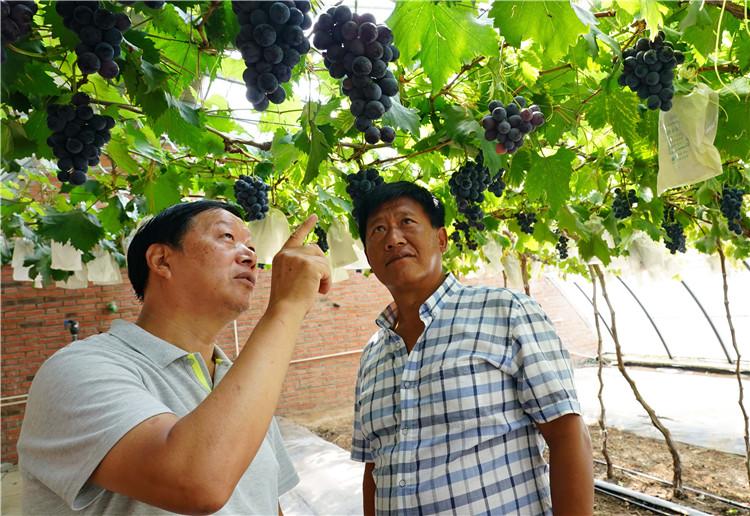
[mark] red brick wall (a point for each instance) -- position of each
(32, 329)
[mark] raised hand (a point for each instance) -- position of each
(299, 271)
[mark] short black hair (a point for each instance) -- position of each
(389, 191)
(167, 227)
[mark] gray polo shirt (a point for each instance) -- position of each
(88, 395)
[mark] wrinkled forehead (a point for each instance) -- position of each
(219, 218)
(399, 205)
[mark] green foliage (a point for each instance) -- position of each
(181, 132)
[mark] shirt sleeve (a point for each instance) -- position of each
(541, 364)
(287, 476)
(80, 405)
(361, 451)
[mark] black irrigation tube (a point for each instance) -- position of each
(727, 501)
(630, 500)
(648, 315)
(710, 322)
(652, 503)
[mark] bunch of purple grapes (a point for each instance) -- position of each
(100, 32)
(358, 50)
(322, 238)
(526, 221)
(623, 203)
(731, 207)
(78, 135)
(272, 42)
(359, 185)
(252, 194)
(509, 124)
(675, 238)
(562, 246)
(648, 70)
(15, 22)
(462, 236)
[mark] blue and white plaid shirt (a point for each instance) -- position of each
(451, 425)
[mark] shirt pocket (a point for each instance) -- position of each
(469, 396)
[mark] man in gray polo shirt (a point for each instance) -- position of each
(152, 417)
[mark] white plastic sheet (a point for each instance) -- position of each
(65, 257)
(341, 245)
(103, 269)
(269, 234)
(686, 140)
(75, 281)
(22, 249)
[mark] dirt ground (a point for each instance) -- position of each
(715, 472)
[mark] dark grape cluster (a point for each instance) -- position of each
(731, 204)
(272, 42)
(358, 51)
(78, 135)
(252, 194)
(100, 32)
(497, 185)
(322, 238)
(467, 185)
(508, 125)
(462, 236)
(623, 203)
(562, 246)
(648, 70)
(526, 221)
(675, 240)
(361, 184)
(15, 21)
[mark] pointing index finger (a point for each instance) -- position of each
(297, 238)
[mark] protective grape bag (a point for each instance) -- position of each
(512, 268)
(686, 140)
(22, 249)
(269, 234)
(341, 245)
(65, 257)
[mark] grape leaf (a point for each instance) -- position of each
(615, 107)
(442, 36)
(552, 25)
(162, 191)
(79, 228)
(549, 178)
(401, 117)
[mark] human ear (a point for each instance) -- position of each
(443, 239)
(157, 260)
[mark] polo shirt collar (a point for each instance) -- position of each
(157, 350)
(429, 309)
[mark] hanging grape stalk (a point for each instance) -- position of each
(272, 42)
(78, 135)
(358, 51)
(509, 124)
(648, 70)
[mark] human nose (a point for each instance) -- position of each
(394, 237)
(247, 256)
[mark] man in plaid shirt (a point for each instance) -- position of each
(461, 386)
